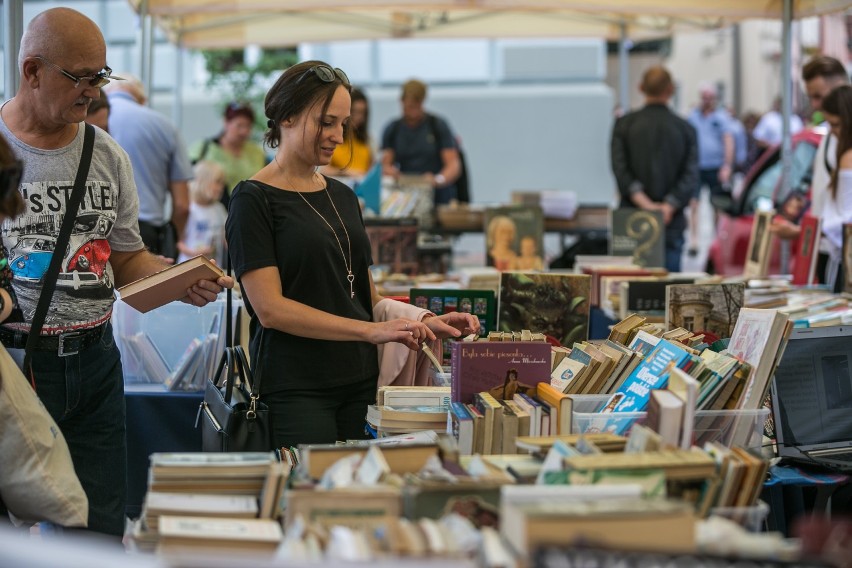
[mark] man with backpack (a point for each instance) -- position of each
(420, 143)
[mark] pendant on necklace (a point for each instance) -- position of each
(351, 278)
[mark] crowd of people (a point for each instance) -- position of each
(134, 203)
(662, 162)
(296, 236)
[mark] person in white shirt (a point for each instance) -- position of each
(837, 209)
(769, 129)
(205, 227)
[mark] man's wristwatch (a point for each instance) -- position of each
(440, 180)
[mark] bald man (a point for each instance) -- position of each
(655, 160)
(161, 167)
(76, 367)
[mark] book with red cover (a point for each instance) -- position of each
(168, 285)
(478, 366)
(806, 251)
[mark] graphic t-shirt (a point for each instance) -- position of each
(106, 221)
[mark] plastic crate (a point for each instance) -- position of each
(728, 427)
(170, 329)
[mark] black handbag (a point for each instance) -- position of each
(232, 417)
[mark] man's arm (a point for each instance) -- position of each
(728, 167)
(629, 187)
(388, 159)
(684, 187)
(180, 205)
(451, 169)
(128, 267)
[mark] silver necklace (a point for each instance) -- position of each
(348, 265)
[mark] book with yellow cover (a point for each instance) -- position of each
(168, 285)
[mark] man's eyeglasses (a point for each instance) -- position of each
(97, 80)
(10, 178)
(326, 74)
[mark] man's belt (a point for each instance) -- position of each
(64, 344)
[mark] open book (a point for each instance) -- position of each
(168, 285)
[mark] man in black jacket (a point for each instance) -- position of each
(655, 160)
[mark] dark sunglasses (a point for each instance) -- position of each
(326, 74)
(10, 178)
(98, 80)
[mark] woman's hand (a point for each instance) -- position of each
(410, 333)
(452, 324)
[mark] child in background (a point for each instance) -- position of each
(205, 227)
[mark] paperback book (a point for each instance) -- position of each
(501, 368)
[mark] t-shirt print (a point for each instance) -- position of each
(84, 288)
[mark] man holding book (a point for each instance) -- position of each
(655, 160)
(75, 365)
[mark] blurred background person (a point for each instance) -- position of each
(355, 156)
(98, 113)
(205, 227)
(161, 168)
(655, 160)
(715, 135)
(837, 209)
(232, 148)
(420, 143)
(769, 129)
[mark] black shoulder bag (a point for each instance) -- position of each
(52, 275)
(232, 417)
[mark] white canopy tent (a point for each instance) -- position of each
(236, 23)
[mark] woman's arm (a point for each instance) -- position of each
(263, 288)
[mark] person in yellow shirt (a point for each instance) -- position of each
(354, 157)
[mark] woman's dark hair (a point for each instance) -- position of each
(293, 93)
(360, 132)
(11, 203)
(239, 108)
(839, 103)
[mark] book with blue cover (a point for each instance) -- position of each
(635, 393)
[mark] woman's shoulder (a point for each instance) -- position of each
(846, 161)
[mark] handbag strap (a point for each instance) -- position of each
(52, 274)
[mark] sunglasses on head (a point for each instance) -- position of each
(326, 74)
(98, 80)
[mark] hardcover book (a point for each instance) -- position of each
(480, 303)
(649, 374)
(709, 309)
(515, 237)
(554, 304)
(501, 368)
(806, 251)
(639, 234)
(168, 285)
(757, 256)
(647, 297)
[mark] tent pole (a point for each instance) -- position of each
(786, 96)
(623, 69)
(13, 20)
(177, 105)
(786, 101)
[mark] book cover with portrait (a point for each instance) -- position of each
(514, 237)
(556, 304)
(640, 234)
(502, 368)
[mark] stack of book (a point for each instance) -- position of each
(205, 487)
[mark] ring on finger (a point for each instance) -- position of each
(406, 326)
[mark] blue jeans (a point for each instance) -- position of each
(84, 394)
(674, 251)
